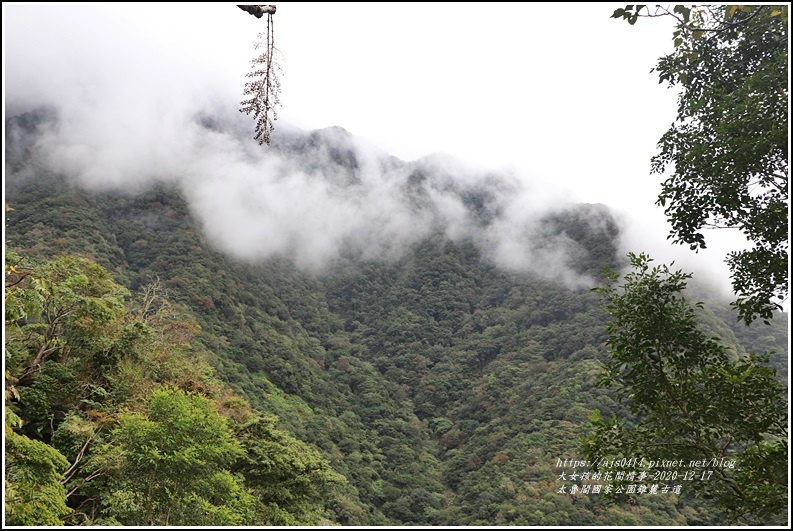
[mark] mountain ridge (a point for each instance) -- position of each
(442, 386)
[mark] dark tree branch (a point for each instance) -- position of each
(723, 25)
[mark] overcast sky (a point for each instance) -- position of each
(555, 92)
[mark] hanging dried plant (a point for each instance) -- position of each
(265, 88)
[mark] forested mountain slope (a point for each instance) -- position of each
(443, 385)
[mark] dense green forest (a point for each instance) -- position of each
(153, 380)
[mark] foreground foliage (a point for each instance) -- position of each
(728, 147)
(112, 418)
(722, 418)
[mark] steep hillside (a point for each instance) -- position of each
(442, 374)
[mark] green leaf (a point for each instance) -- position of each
(684, 11)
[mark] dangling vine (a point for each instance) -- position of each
(265, 86)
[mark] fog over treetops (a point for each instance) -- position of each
(128, 108)
(312, 197)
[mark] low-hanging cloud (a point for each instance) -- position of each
(126, 113)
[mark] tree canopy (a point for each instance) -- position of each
(443, 388)
(689, 401)
(727, 151)
(112, 418)
(693, 402)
